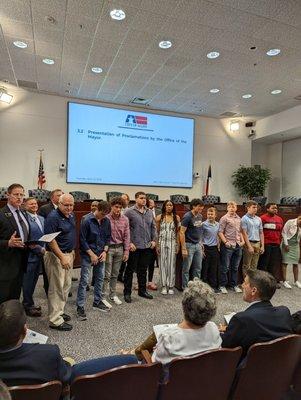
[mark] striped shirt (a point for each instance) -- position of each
(120, 231)
(230, 226)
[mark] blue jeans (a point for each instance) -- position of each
(230, 259)
(192, 265)
(98, 273)
(30, 279)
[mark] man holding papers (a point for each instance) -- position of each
(59, 259)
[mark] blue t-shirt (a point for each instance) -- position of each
(193, 227)
(209, 233)
(56, 221)
(253, 226)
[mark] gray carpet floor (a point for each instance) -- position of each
(128, 324)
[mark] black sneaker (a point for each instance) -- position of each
(66, 317)
(101, 307)
(81, 315)
(63, 327)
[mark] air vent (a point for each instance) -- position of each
(228, 114)
(28, 84)
(139, 100)
(298, 97)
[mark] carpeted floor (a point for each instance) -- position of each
(128, 324)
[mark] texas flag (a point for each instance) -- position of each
(208, 182)
(141, 120)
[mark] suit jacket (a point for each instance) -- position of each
(46, 209)
(35, 234)
(33, 364)
(12, 259)
(260, 322)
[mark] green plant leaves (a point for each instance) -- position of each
(251, 181)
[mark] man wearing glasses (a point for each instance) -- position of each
(59, 261)
(14, 233)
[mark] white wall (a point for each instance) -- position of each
(39, 121)
(291, 168)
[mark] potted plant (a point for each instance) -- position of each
(251, 181)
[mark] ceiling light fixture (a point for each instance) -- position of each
(117, 14)
(21, 45)
(48, 61)
(247, 96)
(273, 52)
(234, 126)
(213, 54)
(165, 44)
(4, 96)
(215, 90)
(96, 70)
(276, 91)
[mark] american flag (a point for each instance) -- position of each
(41, 174)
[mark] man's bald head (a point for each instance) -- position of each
(66, 204)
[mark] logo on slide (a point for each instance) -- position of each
(136, 121)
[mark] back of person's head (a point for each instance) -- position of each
(195, 203)
(12, 323)
(199, 303)
(4, 392)
(264, 282)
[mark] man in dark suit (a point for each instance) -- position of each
(14, 233)
(26, 363)
(52, 205)
(260, 322)
(35, 258)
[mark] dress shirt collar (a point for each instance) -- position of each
(12, 208)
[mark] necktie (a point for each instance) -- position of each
(23, 226)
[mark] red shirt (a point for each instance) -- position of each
(272, 227)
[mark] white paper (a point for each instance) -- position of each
(228, 317)
(35, 337)
(158, 329)
(49, 237)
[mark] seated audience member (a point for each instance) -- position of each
(53, 204)
(260, 322)
(290, 248)
(26, 363)
(195, 334)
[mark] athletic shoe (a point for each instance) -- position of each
(116, 300)
(237, 289)
(106, 303)
(287, 285)
(164, 291)
(223, 290)
(171, 291)
(298, 284)
(81, 315)
(101, 307)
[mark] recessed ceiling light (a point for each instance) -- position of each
(213, 54)
(21, 45)
(247, 96)
(276, 91)
(273, 52)
(117, 14)
(165, 44)
(96, 70)
(214, 90)
(48, 61)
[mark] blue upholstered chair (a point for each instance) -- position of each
(111, 195)
(179, 198)
(152, 196)
(289, 201)
(80, 196)
(211, 199)
(3, 191)
(42, 195)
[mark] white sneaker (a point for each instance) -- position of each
(171, 291)
(237, 289)
(287, 285)
(164, 290)
(116, 300)
(106, 303)
(223, 290)
(298, 284)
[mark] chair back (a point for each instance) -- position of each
(179, 198)
(111, 195)
(205, 376)
(130, 382)
(80, 196)
(152, 196)
(45, 391)
(289, 201)
(39, 194)
(3, 191)
(261, 200)
(211, 199)
(269, 369)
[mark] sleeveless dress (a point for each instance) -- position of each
(293, 255)
(168, 253)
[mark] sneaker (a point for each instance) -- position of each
(171, 291)
(81, 315)
(164, 291)
(237, 289)
(287, 285)
(101, 307)
(106, 303)
(298, 284)
(223, 290)
(116, 300)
